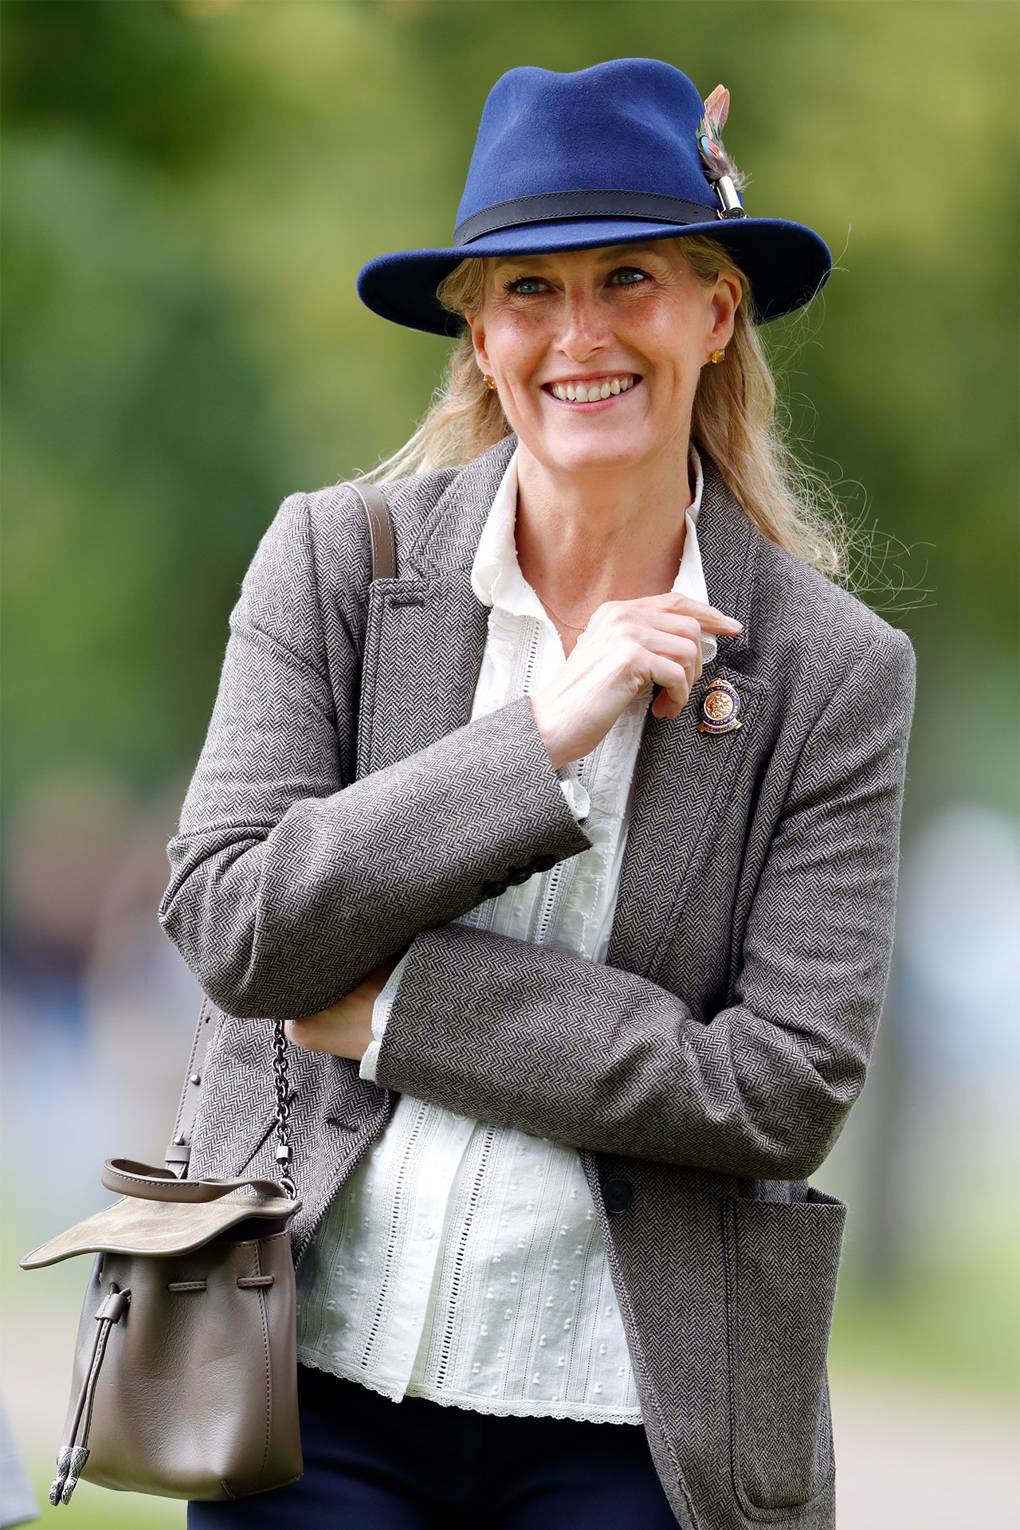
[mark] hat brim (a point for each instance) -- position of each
(786, 263)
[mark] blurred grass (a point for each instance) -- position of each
(948, 1321)
(96, 1508)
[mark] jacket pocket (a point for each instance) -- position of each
(782, 1266)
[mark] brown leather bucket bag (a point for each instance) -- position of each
(185, 1372)
(185, 1369)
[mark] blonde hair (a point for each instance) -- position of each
(734, 418)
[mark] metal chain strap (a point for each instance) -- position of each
(282, 1082)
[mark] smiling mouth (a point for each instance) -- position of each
(610, 389)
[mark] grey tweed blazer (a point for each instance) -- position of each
(344, 807)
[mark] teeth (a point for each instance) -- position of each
(579, 393)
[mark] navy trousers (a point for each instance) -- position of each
(375, 1464)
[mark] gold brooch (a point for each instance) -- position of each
(719, 707)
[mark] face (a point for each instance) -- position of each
(633, 316)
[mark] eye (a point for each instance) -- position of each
(514, 284)
(633, 271)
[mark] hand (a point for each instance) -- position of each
(345, 1028)
(627, 646)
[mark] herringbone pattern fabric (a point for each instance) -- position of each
(702, 1072)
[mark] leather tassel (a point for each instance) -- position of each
(72, 1457)
(69, 1464)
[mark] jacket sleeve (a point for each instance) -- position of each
(577, 796)
(598, 1057)
(289, 881)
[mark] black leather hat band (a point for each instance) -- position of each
(583, 204)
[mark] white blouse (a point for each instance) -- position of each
(462, 1260)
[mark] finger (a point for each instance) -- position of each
(684, 648)
(675, 682)
(680, 624)
(310, 1031)
(708, 616)
(295, 1032)
(659, 629)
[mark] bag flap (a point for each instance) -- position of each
(136, 1226)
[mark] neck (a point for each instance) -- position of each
(603, 534)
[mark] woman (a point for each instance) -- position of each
(580, 989)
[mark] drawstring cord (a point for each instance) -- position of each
(72, 1457)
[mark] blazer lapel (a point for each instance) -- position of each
(682, 776)
(426, 630)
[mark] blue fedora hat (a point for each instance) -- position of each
(606, 155)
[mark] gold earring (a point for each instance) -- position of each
(717, 356)
(490, 382)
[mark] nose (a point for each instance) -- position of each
(584, 324)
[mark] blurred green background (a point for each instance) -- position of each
(189, 189)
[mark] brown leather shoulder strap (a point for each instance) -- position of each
(178, 1151)
(380, 529)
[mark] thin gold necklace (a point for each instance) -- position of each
(559, 618)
